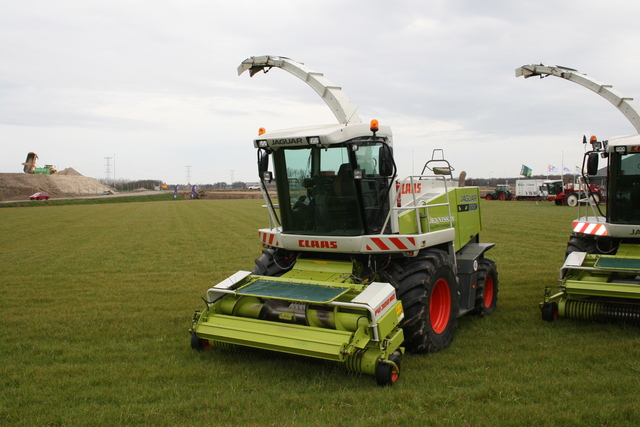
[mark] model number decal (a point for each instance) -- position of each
(385, 304)
(322, 244)
(468, 207)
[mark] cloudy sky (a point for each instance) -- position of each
(151, 87)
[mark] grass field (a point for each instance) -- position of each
(96, 302)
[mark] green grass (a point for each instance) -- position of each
(96, 302)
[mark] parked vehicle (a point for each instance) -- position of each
(39, 196)
(534, 189)
(502, 192)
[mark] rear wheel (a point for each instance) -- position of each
(502, 196)
(388, 373)
(428, 289)
(488, 285)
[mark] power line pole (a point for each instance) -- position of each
(108, 167)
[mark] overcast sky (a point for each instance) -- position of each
(153, 85)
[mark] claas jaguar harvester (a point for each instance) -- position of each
(600, 278)
(346, 275)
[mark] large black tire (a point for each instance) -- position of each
(387, 374)
(428, 289)
(489, 196)
(274, 262)
(581, 244)
(487, 297)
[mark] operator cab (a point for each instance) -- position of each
(624, 180)
(329, 185)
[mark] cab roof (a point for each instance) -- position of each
(632, 142)
(328, 134)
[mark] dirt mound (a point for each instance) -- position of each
(69, 171)
(67, 183)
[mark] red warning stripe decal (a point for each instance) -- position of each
(268, 239)
(589, 228)
(391, 244)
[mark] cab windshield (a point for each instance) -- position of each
(318, 195)
(624, 191)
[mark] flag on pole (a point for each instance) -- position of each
(578, 170)
(552, 169)
(525, 171)
(566, 169)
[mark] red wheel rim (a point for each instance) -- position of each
(440, 306)
(488, 292)
(395, 374)
(501, 196)
(205, 344)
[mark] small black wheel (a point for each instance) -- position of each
(550, 311)
(199, 344)
(387, 373)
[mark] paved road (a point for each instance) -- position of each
(97, 196)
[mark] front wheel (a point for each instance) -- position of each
(428, 289)
(274, 262)
(488, 197)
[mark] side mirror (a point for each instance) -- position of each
(592, 164)
(263, 162)
(386, 161)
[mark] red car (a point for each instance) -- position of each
(39, 196)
